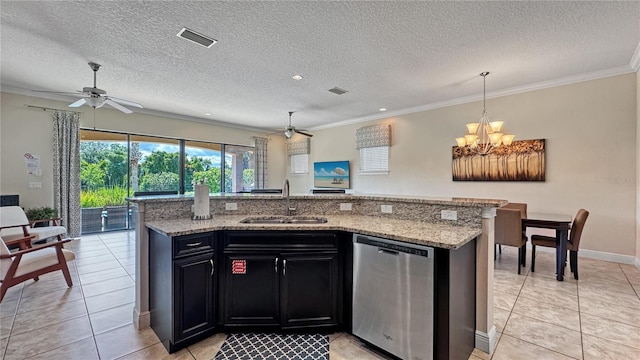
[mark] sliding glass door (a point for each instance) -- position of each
(103, 178)
(115, 166)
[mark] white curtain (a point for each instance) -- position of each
(66, 169)
(261, 163)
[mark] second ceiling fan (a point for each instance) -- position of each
(290, 129)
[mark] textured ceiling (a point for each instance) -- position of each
(397, 55)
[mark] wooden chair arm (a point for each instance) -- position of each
(26, 251)
(13, 226)
(17, 241)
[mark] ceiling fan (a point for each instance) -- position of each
(290, 129)
(97, 98)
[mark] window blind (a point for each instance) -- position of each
(300, 164)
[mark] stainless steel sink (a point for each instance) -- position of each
(284, 220)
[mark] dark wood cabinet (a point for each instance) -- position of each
(293, 282)
(193, 279)
(310, 289)
(182, 288)
(251, 289)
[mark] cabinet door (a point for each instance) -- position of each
(193, 295)
(251, 289)
(309, 289)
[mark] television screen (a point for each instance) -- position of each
(331, 174)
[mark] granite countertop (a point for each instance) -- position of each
(430, 234)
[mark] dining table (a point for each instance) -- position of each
(561, 223)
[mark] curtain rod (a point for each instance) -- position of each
(50, 109)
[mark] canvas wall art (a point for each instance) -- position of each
(521, 161)
(331, 174)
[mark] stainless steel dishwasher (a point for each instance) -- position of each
(393, 296)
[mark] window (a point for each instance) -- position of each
(116, 165)
(203, 162)
(374, 160)
(373, 143)
(300, 164)
(298, 149)
(239, 168)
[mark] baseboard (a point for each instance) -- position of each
(637, 263)
(598, 255)
(486, 341)
(141, 320)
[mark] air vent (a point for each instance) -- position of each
(196, 38)
(338, 91)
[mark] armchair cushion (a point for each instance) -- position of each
(37, 260)
(14, 225)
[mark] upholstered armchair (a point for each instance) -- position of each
(30, 263)
(15, 225)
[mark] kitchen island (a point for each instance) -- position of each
(416, 220)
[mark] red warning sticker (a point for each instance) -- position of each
(239, 267)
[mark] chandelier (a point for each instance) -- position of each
(485, 135)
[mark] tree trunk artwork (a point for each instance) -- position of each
(521, 161)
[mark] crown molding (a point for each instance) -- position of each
(621, 70)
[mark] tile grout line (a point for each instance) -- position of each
(580, 316)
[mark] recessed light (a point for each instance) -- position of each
(382, 109)
(297, 77)
(207, 114)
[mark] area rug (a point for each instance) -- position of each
(253, 346)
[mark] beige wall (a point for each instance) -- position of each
(25, 130)
(591, 155)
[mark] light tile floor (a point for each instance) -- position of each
(536, 316)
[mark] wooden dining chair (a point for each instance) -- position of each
(508, 231)
(31, 262)
(523, 212)
(575, 233)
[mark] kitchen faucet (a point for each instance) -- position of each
(285, 193)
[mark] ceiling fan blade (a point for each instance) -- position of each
(56, 92)
(78, 103)
(115, 105)
(126, 102)
(302, 133)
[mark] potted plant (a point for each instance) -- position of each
(41, 213)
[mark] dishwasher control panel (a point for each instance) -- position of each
(388, 245)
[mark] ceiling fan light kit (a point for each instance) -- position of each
(291, 130)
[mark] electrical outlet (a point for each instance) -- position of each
(34, 185)
(231, 206)
(449, 215)
(345, 206)
(386, 209)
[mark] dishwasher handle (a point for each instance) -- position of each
(385, 251)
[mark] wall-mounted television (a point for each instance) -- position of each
(331, 174)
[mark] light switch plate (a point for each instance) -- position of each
(231, 206)
(34, 185)
(345, 206)
(386, 209)
(448, 215)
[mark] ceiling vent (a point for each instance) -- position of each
(196, 38)
(338, 91)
